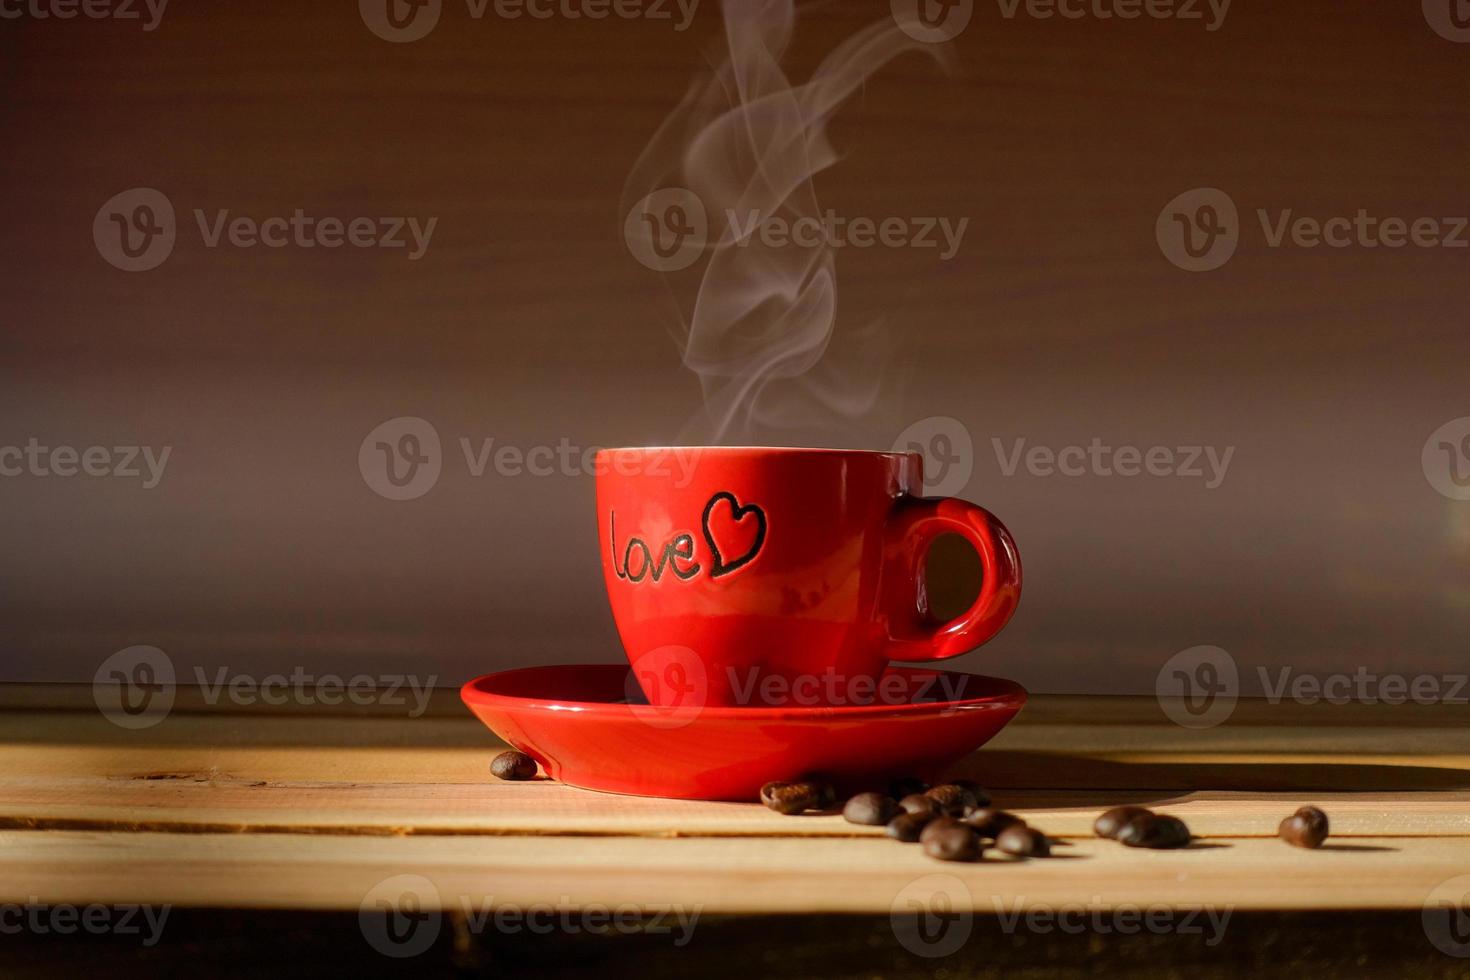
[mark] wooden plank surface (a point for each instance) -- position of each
(225, 803)
(288, 809)
(378, 775)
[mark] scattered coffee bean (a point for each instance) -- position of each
(952, 800)
(905, 786)
(982, 798)
(935, 825)
(1023, 841)
(1155, 830)
(949, 840)
(990, 823)
(918, 803)
(792, 798)
(908, 826)
(513, 765)
(777, 795)
(826, 795)
(1113, 820)
(870, 809)
(1307, 827)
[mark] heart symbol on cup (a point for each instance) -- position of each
(730, 528)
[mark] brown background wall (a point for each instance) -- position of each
(527, 321)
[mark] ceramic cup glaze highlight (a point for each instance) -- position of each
(755, 576)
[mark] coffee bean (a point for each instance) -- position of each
(1154, 830)
(823, 792)
(784, 798)
(513, 765)
(870, 809)
(918, 803)
(793, 798)
(1307, 827)
(905, 786)
(781, 798)
(908, 826)
(989, 823)
(949, 840)
(1113, 820)
(1023, 841)
(935, 825)
(982, 798)
(953, 800)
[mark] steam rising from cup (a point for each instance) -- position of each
(742, 148)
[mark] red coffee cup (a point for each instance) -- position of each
(755, 576)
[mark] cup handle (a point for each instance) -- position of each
(914, 634)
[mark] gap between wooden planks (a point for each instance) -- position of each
(407, 809)
(733, 875)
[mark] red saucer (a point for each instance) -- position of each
(575, 720)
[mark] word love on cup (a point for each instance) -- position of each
(783, 564)
(733, 534)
